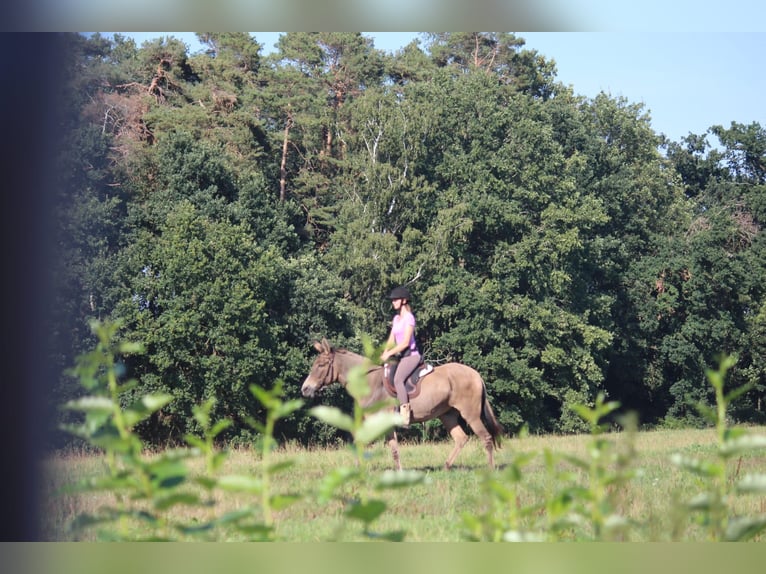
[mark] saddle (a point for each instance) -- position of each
(411, 383)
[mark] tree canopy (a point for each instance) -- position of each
(229, 207)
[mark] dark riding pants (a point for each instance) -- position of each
(406, 366)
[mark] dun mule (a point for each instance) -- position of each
(451, 391)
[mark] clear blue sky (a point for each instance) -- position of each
(687, 81)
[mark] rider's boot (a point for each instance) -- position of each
(406, 414)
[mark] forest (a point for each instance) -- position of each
(227, 208)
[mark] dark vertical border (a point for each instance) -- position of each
(30, 70)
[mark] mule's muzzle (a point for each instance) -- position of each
(308, 389)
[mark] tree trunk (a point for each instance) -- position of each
(283, 164)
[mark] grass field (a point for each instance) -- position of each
(432, 510)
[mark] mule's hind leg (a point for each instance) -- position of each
(393, 443)
(450, 420)
(484, 435)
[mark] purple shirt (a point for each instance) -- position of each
(399, 326)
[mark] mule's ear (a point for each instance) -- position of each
(326, 346)
(318, 346)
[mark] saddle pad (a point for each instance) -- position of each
(413, 389)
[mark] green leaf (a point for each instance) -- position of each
(166, 502)
(598, 412)
(738, 392)
(287, 408)
(734, 433)
(501, 491)
(110, 441)
(399, 479)
(263, 397)
(155, 401)
(743, 444)
(584, 413)
(380, 405)
(357, 385)
(145, 407)
(569, 494)
(85, 520)
(616, 523)
(131, 417)
(180, 453)
(218, 459)
(117, 482)
(576, 461)
(167, 473)
(241, 483)
(282, 501)
(192, 440)
(376, 426)
(91, 404)
(703, 501)
(716, 378)
(334, 480)
(707, 412)
(366, 511)
(206, 482)
(130, 348)
(257, 425)
(391, 536)
(280, 466)
(257, 530)
(128, 386)
(471, 522)
(220, 426)
(521, 536)
(202, 412)
(142, 515)
(235, 515)
(334, 417)
(195, 528)
(752, 484)
(701, 468)
(744, 528)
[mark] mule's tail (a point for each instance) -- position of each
(488, 418)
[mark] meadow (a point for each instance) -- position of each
(615, 483)
(443, 506)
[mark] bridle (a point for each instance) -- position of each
(329, 371)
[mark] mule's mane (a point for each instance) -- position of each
(356, 357)
(347, 352)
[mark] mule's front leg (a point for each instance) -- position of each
(393, 443)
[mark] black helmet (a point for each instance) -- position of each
(400, 293)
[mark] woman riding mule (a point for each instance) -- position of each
(401, 345)
(451, 392)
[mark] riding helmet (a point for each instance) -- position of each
(400, 293)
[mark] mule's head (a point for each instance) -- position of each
(322, 371)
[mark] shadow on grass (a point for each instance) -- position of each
(456, 468)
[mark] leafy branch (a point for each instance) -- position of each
(713, 506)
(145, 487)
